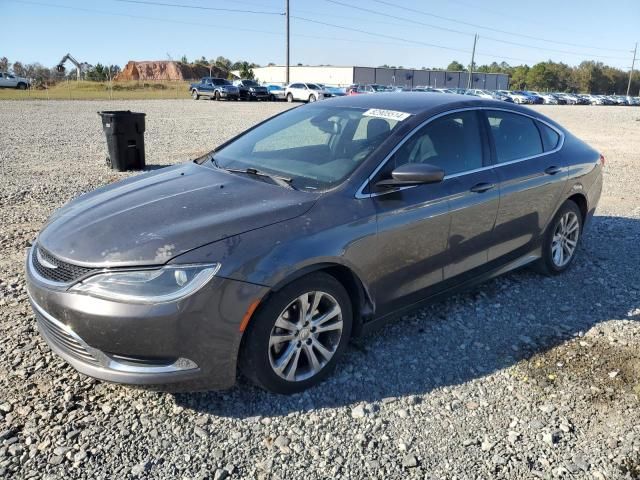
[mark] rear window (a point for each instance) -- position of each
(550, 138)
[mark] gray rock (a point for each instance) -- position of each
(358, 412)
(220, 474)
(409, 461)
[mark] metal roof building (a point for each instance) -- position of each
(343, 76)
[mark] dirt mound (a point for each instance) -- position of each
(167, 70)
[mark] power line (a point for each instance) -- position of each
(198, 7)
(143, 17)
(449, 19)
(410, 20)
(235, 28)
(377, 34)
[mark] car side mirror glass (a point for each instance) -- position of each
(412, 174)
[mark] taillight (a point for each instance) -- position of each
(602, 160)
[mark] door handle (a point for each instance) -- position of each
(482, 187)
(552, 170)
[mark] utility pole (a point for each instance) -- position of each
(633, 64)
(473, 57)
(286, 13)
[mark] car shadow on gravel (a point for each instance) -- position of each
(468, 336)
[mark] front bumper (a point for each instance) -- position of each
(189, 344)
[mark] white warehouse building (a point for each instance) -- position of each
(344, 76)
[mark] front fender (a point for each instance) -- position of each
(343, 234)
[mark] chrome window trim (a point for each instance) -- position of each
(360, 195)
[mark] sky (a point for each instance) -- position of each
(409, 33)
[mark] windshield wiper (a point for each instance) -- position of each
(282, 181)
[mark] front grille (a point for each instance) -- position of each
(64, 340)
(62, 273)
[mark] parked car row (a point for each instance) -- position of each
(218, 88)
(562, 98)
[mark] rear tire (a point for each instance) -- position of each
(272, 98)
(216, 95)
(194, 95)
(289, 98)
(561, 240)
(21, 86)
(298, 335)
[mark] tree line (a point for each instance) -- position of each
(587, 77)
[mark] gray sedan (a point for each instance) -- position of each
(320, 224)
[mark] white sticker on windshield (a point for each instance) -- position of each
(389, 114)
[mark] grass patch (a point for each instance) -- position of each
(129, 90)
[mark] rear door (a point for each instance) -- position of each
(532, 175)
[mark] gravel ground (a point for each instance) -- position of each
(524, 377)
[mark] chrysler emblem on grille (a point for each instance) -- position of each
(44, 262)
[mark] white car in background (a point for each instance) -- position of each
(9, 80)
(304, 92)
(516, 97)
(480, 93)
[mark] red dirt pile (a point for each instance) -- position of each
(167, 70)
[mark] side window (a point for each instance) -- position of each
(452, 142)
(515, 136)
(295, 85)
(550, 137)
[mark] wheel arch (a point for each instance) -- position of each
(580, 200)
(362, 301)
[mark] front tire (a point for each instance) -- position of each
(312, 98)
(194, 95)
(216, 96)
(22, 86)
(289, 98)
(296, 338)
(561, 240)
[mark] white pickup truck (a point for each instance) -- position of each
(9, 80)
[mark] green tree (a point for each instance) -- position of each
(184, 59)
(4, 64)
(246, 71)
(519, 77)
(223, 63)
(455, 66)
(542, 76)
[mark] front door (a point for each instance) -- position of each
(428, 233)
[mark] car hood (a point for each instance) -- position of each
(150, 218)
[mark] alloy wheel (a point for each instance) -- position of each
(565, 239)
(305, 336)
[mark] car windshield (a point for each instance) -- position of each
(250, 83)
(220, 81)
(313, 86)
(316, 147)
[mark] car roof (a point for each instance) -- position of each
(410, 102)
(422, 105)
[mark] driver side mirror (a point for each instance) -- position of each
(413, 174)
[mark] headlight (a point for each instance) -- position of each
(160, 285)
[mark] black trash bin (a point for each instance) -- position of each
(125, 139)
